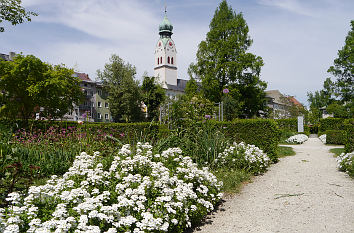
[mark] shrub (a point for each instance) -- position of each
(298, 139)
(323, 138)
(345, 163)
(263, 133)
(291, 125)
(138, 191)
(245, 157)
(349, 142)
(330, 124)
(335, 137)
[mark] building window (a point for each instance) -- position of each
(158, 61)
(168, 60)
(172, 60)
(106, 105)
(161, 60)
(106, 116)
(99, 92)
(99, 116)
(93, 104)
(99, 104)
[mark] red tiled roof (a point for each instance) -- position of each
(295, 101)
(83, 76)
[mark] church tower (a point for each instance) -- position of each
(166, 55)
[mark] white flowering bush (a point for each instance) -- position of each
(137, 191)
(345, 163)
(298, 139)
(243, 156)
(323, 138)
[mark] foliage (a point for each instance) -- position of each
(192, 88)
(345, 163)
(283, 151)
(137, 191)
(29, 84)
(331, 124)
(343, 68)
(262, 133)
(124, 95)
(153, 96)
(13, 12)
(349, 142)
(244, 157)
(223, 62)
(335, 137)
(187, 110)
(340, 110)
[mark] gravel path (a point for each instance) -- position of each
(301, 193)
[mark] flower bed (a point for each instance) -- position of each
(243, 156)
(323, 138)
(345, 163)
(298, 139)
(137, 191)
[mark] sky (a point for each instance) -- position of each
(297, 39)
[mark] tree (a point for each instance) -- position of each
(153, 96)
(29, 84)
(192, 87)
(223, 62)
(343, 68)
(13, 12)
(124, 95)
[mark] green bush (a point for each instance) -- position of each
(263, 133)
(335, 137)
(330, 124)
(290, 125)
(349, 141)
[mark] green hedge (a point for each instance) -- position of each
(337, 137)
(291, 125)
(330, 124)
(349, 142)
(263, 133)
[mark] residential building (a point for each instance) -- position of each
(8, 57)
(95, 106)
(280, 104)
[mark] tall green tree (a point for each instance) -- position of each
(192, 88)
(124, 94)
(343, 68)
(153, 96)
(223, 61)
(13, 12)
(28, 85)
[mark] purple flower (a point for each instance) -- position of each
(207, 117)
(225, 91)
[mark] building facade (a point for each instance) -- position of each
(95, 106)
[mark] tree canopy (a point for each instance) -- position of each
(13, 12)
(153, 96)
(124, 94)
(223, 62)
(28, 85)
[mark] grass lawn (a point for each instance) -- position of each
(283, 151)
(337, 151)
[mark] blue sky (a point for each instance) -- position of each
(297, 39)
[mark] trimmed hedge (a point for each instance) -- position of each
(330, 124)
(263, 133)
(337, 137)
(349, 142)
(291, 125)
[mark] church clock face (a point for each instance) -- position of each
(170, 44)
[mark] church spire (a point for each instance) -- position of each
(165, 27)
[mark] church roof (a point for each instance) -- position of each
(165, 25)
